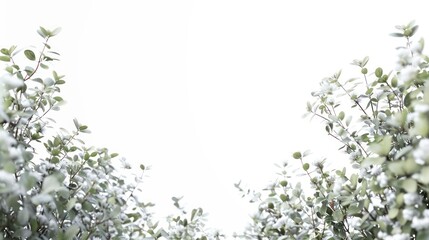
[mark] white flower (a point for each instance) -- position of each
(409, 213)
(384, 219)
(382, 116)
(8, 180)
(416, 47)
(41, 198)
(42, 219)
(404, 58)
(355, 156)
(53, 224)
(398, 236)
(421, 154)
(78, 206)
(338, 185)
(6, 139)
(283, 221)
(407, 73)
(426, 213)
(10, 81)
(382, 180)
(25, 102)
(390, 196)
(86, 219)
(355, 222)
(421, 108)
(376, 170)
(376, 202)
(416, 61)
(327, 88)
(411, 199)
(382, 235)
(420, 223)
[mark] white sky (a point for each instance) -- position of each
(206, 92)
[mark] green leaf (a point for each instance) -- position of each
(30, 55)
(353, 210)
(341, 115)
(55, 31)
(5, 58)
(44, 66)
(411, 31)
(338, 215)
(142, 167)
(5, 51)
(397, 167)
(382, 148)
(39, 80)
(58, 98)
(410, 166)
(55, 160)
(409, 185)
(394, 82)
(83, 127)
(423, 235)
(55, 152)
(115, 212)
(373, 161)
(396, 34)
(296, 155)
(71, 203)
(71, 232)
(306, 166)
(48, 82)
(50, 184)
(404, 151)
(378, 72)
(11, 49)
(23, 217)
(76, 124)
(393, 212)
(348, 120)
(424, 175)
(364, 61)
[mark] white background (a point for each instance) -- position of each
(207, 93)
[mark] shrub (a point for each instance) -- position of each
(53, 186)
(381, 120)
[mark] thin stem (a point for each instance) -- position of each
(28, 76)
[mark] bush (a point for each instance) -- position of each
(52, 186)
(384, 131)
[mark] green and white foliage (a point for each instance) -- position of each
(52, 186)
(189, 226)
(381, 120)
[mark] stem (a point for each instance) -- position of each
(370, 101)
(355, 101)
(28, 76)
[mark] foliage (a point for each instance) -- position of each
(52, 186)
(384, 131)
